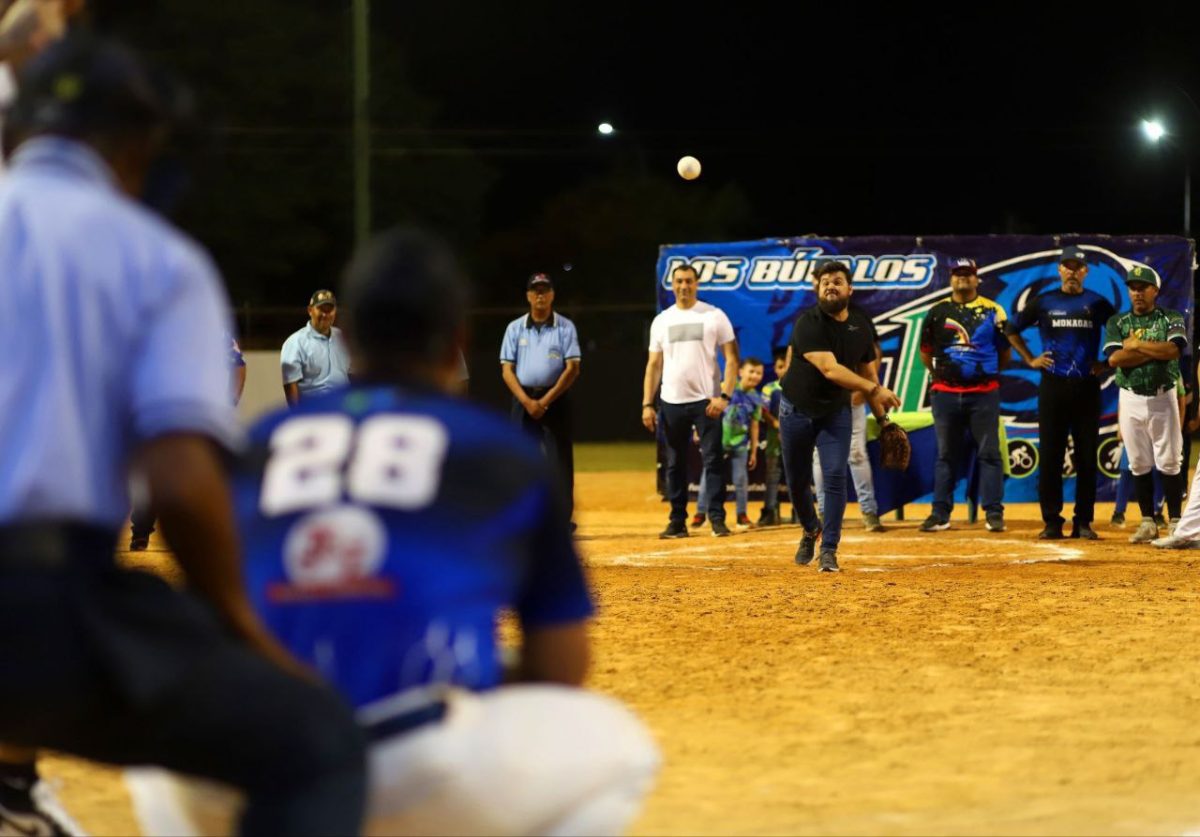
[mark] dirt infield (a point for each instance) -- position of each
(949, 683)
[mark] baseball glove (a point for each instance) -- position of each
(894, 449)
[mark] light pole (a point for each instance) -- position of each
(1156, 132)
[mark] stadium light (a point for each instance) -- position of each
(1153, 129)
(605, 128)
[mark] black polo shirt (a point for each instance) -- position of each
(852, 343)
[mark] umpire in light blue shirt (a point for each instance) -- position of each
(315, 358)
(539, 361)
(105, 303)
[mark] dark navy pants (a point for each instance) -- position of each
(677, 421)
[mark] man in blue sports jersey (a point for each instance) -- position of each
(386, 528)
(1070, 322)
(106, 304)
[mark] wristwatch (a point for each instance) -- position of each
(721, 395)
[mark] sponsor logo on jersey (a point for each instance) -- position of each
(770, 273)
(334, 554)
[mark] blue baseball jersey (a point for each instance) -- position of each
(385, 530)
(1070, 327)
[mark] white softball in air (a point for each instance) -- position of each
(688, 168)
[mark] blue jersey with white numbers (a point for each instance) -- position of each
(385, 529)
(1070, 327)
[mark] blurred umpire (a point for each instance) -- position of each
(104, 305)
(1070, 322)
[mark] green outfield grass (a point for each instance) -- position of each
(614, 456)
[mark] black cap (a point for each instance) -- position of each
(84, 85)
(404, 276)
(1074, 253)
(539, 279)
(323, 297)
(963, 265)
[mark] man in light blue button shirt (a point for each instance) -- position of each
(539, 361)
(105, 306)
(315, 358)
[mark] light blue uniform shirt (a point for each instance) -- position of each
(539, 353)
(315, 362)
(114, 326)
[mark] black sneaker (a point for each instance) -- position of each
(139, 544)
(1118, 519)
(1160, 521)
(808, 548)
(1052, 532)
(933, 523)
(828, 562)
(995, 522)
(720, 530)
(1084, 531)
(674, 530)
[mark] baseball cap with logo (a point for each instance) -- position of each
(963, 265)
(1073, 253)
(1142, 275)
(539, 280)
(323, 297)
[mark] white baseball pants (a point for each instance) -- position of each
(1151, 431)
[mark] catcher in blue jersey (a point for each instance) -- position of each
(386, 527)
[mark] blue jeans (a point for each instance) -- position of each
(953, 414)
(860, 466)
(830, 436)
(738, 461)
(678, 420)
(771, 490)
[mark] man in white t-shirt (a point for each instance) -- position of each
(683, 358)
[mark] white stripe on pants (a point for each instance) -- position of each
(1151, 431)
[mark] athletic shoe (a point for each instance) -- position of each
(933, 523)
(1160, 521)
(698, 520)
(674, 530)
(995, 522)
(34, 809)
(808, 547)
(1052, 532)
(1147, 531)
(828, 562)
(720, 530)
(768, 517)
(871, 523)
(1118, 519)
(743, 522)
(139, 544)
(1084, 531)
(1176, 542)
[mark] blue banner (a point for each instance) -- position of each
(763, 285)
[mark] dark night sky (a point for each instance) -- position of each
(843, 121)
(832, 120)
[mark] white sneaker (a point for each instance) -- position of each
(39, 814)
(1174, 541)
(1146, 532)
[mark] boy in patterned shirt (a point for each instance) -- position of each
(739, 432)
(1144, 345)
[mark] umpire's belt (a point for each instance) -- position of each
(405, 721)
(53, 543)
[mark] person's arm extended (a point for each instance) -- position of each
(557, 654)
(1153, 349)
(292, 393)
(568, 377)
(654, 367)
(195, 511)
(752, 457)
(879, 397)
(728, 385)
